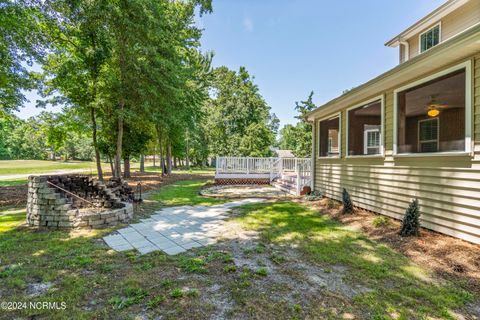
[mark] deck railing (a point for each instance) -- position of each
(268, 168)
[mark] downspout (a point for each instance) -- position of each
(313, 165)
(407, 50)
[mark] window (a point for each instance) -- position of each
(365, 129)
(329, 137)
(371, 140)
(430, 38)
(422, 108)
(428, 135)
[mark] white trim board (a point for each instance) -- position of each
(331, 117)
(382, 124)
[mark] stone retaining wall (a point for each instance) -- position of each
(48, 206)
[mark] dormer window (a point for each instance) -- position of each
(430, 38)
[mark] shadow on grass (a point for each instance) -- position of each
(399, 288)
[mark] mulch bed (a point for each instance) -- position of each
(450, 258)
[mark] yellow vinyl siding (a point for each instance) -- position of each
(452, 24)
(448, 187)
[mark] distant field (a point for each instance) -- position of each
(13, 172)
(15, 167)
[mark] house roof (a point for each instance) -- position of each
(285, 153)
(433, 17)
(448, 52)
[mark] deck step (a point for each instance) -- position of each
(285, 186)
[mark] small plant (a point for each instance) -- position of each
(410, 222)
(193, 265)
(261, 272)
(155, 301)
(313, 196)
(166, 283)
(277, 259)
(331, 204)
(230, 268)
(260, 248)
(347, 202)
(193, 293)
(176, 293)
(380, 221)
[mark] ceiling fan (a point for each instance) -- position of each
(433, 107)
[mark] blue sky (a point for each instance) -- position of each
(295, 46)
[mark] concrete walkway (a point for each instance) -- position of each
(175, 229)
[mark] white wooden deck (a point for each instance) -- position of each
(288, 174)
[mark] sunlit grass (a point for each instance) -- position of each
(395, 284)
(184, 193)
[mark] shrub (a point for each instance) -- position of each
(410, 222)
(347, 202)
(380, 221)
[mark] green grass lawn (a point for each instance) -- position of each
(184, 193)
(96, 282)
(13, 182)
(13, 167)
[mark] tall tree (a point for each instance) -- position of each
(21, 44)
(235, 108)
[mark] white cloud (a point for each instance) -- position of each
(248, 24)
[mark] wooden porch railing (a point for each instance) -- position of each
(268, 168)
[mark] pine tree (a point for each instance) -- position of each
(347, 202)
(410, 222)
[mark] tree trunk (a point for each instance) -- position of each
(162, 159)
(118, 153)
(187, 156)
(126, 167)
(111, 164)
(95, 145)
(169, 158)
(154, 152)
(142, 163)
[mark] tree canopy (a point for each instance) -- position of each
(131, 80)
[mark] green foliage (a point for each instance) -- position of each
(380, 221)
(177, 293)
(239, 122)
(230, 268)
(410, 222)
(263, 272)
(299, 137)
(347, 202)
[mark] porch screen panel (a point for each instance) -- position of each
(364, 129)
(431, 116)
(329, 138)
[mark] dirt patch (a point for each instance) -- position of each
(38, 289)
(450, 258)
(13, 195)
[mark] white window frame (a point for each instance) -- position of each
(365, 142)
(467, 65)
(331, 117)
(439, 25)
(382, 135)
(426, 141)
